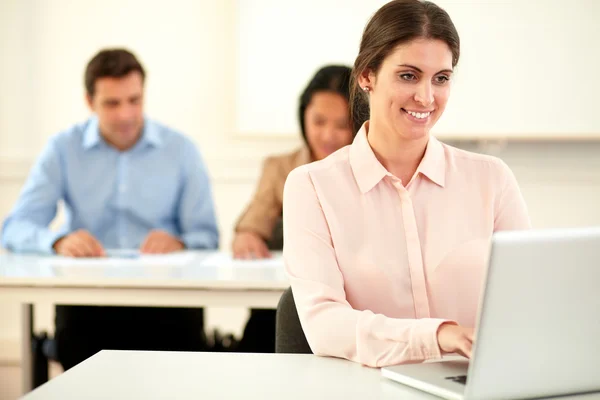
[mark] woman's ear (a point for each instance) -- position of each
(366, 80)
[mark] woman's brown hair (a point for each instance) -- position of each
(397, 22)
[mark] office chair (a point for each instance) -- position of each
(289, 336)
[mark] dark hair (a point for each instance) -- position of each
(115, 63)
(397, 22)
(331, 78)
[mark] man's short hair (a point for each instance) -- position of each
(114, 63)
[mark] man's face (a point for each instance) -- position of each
(118, 103)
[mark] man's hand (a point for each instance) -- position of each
(161, 242)
(80, 243)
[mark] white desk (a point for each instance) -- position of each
(27, 279)
(127, 375)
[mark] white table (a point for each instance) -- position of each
(28, 279)
(127, 375)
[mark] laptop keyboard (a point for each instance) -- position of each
(458, 379)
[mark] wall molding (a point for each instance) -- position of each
(14, 169)
(10, 352)
(551, 164)
(223, 171)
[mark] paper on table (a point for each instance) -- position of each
(123, 253)
(118, 258)
(226, 260)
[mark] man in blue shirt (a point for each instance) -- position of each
(126, 182)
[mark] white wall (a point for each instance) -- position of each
(525, 67)
(189, 49)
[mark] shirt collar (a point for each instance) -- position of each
(433, 164)
(366, 168)
(151, 134)
(92, 137)
(368, 171)
(304, 156)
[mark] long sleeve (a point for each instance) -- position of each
(26, 228)
(263, 211)
(511, 210)
(196, 214)
(332, 326)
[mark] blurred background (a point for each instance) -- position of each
(228, 74)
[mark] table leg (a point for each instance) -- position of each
(26, 347)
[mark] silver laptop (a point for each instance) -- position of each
(538, 329)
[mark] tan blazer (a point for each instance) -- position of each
(266, 206)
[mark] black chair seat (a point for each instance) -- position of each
(289, 336)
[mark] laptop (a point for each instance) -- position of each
(538, 326)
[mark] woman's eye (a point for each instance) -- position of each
(408, 77)
(442, 79)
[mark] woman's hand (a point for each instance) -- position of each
(455, 339)
(249, 246)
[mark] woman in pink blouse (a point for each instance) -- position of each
(386, 240)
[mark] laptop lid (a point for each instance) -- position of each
(539, 319)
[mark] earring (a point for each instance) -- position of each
(366, 89)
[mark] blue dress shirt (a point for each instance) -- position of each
(119, 197)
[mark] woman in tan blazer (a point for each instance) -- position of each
(326, 127)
